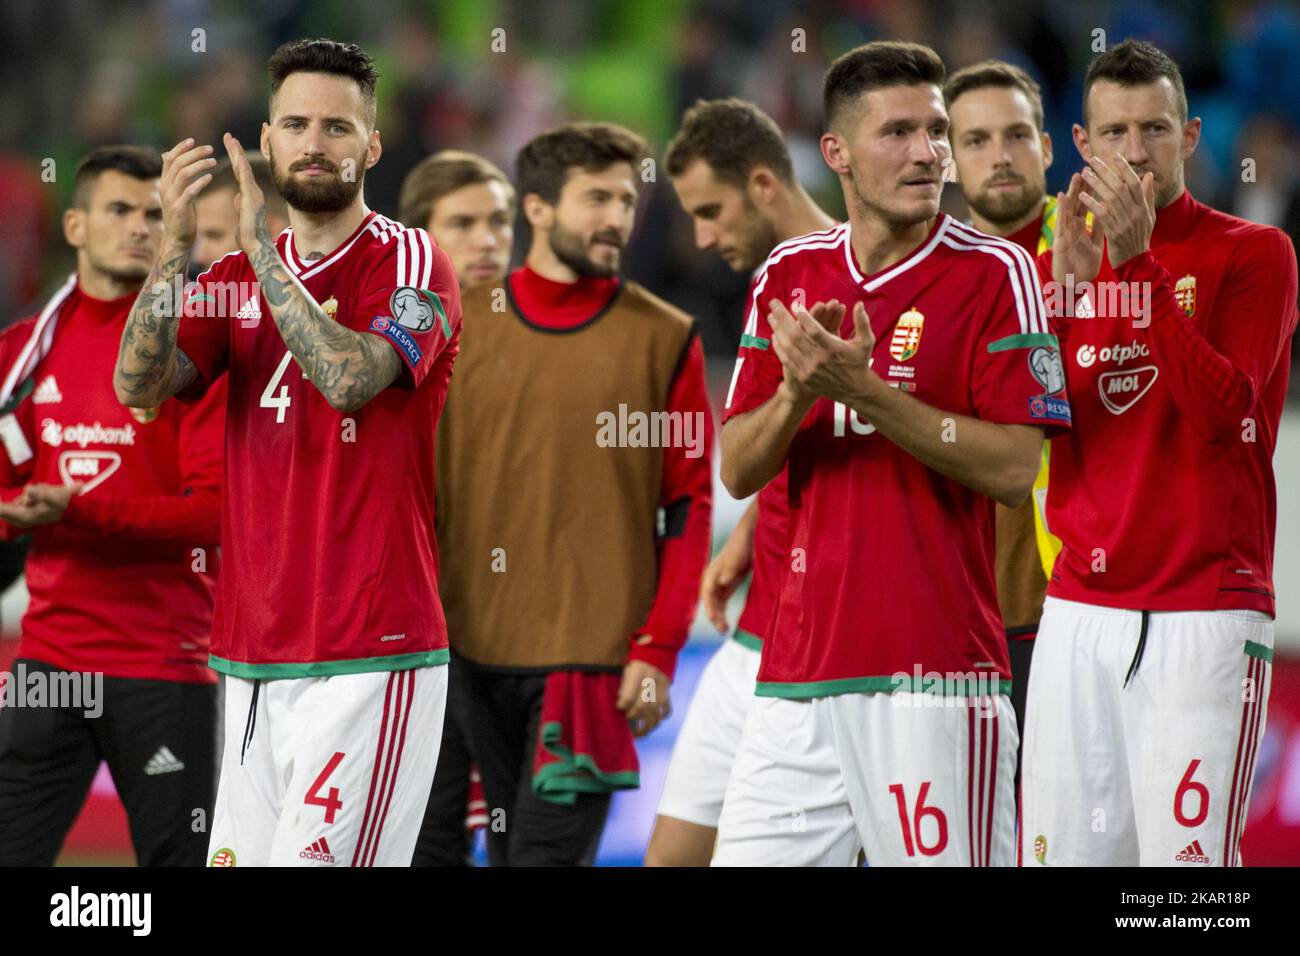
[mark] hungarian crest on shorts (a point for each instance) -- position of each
(907, 335)
(1185, 293)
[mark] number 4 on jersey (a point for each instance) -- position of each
(331, 801)
(282, 401)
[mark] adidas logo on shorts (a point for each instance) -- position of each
(320, 851)
(1193, 854)
(164, 761)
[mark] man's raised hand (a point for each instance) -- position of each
(185, 173)
(816, 360)
(250, 204)
(1123, 204)
(1075, 252)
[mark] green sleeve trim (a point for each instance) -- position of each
(571, 774)
(438, 310)
(1024, 341)
(973, 684)
(748, 341)
(746, 639)
(358, 665)
(1262, 651)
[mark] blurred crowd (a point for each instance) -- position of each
(487, 75)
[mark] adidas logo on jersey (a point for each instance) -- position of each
(47, 393)
(164, 761)
(1193, 854)
(249, 314)
(320, 850)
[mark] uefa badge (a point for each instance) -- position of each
(907, 335)
(1185, 293)
(417, 309)
(1045, 365)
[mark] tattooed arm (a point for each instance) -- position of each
(150, 368)
(349, 368)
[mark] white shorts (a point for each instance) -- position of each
(327, 771)
(1156, 773)
(911, 778)
(710, 736)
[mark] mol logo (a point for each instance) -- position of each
(89, 467)
(1121, 390)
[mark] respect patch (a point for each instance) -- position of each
(1049, 409)
(400, 337)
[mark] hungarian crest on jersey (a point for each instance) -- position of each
(1185, 293)
(907, 335)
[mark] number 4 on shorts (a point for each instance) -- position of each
(331, 802)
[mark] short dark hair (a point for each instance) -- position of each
(543, 165)
(733, 136)
(138, 162)
(998, 74)
(442, 173)
(325, 56)
(1135, 63)
(223, 177)
(874, 66)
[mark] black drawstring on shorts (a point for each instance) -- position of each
(1142, 644)
(251, 722)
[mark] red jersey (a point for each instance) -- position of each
(891, 563)
(327, 517)
(1164, 494)
(771, 551)
(771, 558)
(124, 583)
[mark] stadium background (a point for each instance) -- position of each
(76, 75)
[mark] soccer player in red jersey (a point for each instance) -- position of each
(1001, 155)
(1150, 683)
(468, 206)
(123, 509)
(732, 173)
(338, 337)
(885, 361)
